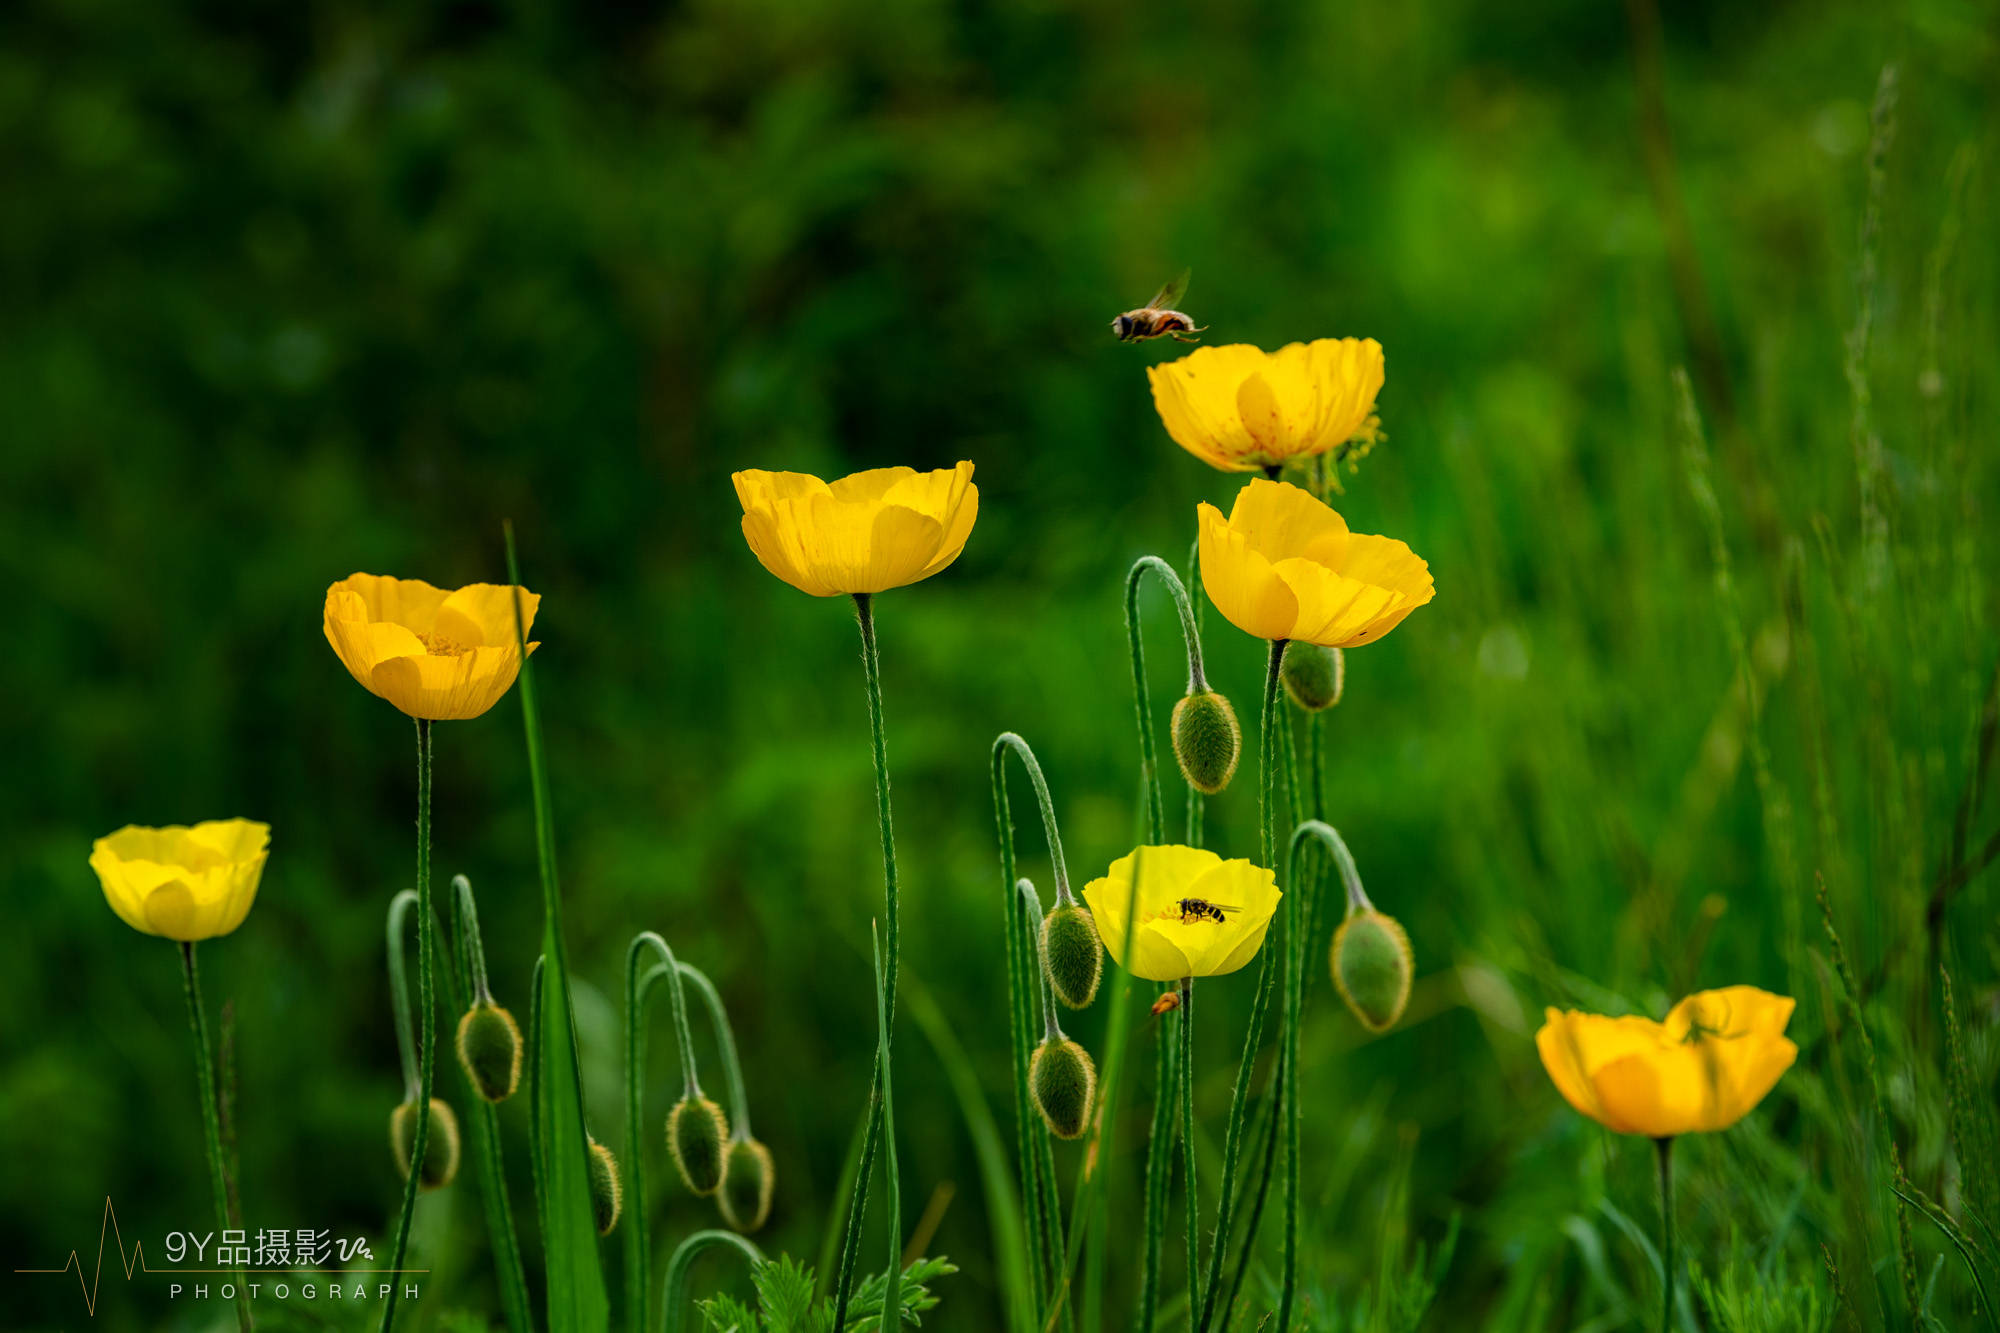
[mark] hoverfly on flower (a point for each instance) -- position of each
(1158, 318)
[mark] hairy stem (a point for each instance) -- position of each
(211, 1124)
(426, 1024)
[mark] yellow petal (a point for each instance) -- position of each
(1241, 582)
(450, 687)
(483, 613)
(182, 883)
(865, 533)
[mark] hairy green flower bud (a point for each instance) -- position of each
(1074, 954)
(440, 1143)
(1207, 741)
(606, 1195)
(696, 1132)
(489, 1047)
(747, 1181)
(1063, 1081)
(1312, 675)
(1372, 968)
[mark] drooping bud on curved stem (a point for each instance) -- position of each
(488, 1040)
(1156, 819)
(1061, 1077)
(606, 1201)
(749, 1176)
(1068, 940)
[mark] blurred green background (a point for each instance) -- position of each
(296, 292)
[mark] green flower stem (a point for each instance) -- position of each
(1666, 1155)
(682, 1263)
(1159, 1165)
(1232, 1141)
(426, 1025)
(1046, 1191)
(871, 666)
(485, 1118)
(1187, 1151)
(892, 1294)
(1272, 1104)
(210, 1122)
(638, 1253)
(725, 1045)
(399, 990)
(1031, 903)
(1336, 847)
(1196, 802)
(471, 944)
(1024, 932)
(1156, 819)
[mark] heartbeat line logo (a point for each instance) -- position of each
(135, 1262)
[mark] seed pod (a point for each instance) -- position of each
(1312, 675)
(1063, 1081)
(1074, 954)
(1207, 741)
(440, 1143)
(747, 1182)
(489, 1047)
(695, 1135)
(1372, 968)
(606, 1195)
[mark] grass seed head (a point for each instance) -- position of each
(1207, 741)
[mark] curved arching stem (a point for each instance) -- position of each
(1156, 816)
(471, 943)
(1032, 901)
(1008, 740)
(638, 1254)
(725, 1045)
(682, 1263)
(1357, 900)
(1040, 1210)
(399, 990)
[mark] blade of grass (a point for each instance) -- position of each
(576, 1294)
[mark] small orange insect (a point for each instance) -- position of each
(1158, 318)
(1167, 1003)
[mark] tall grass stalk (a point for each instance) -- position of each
(575, 1278)
(871, 669)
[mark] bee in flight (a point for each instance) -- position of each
(1158, 318)
(1200, 909)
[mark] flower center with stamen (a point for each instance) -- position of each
(439, 646)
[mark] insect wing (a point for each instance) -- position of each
(1173, 293)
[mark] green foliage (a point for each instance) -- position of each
(785, 1302)
(1745, 1299)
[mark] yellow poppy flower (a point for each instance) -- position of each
(865, 533)
(1242, 409)
(1284, 566)
(1714, 1058)
(183, 883)
(433, 654)
(1159, 944)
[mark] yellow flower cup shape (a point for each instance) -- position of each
(183, 883)
(1196, 914)
(1702, 1070)
(864, 533)
(1284, 566)
(1242, 409)
(439, 656)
